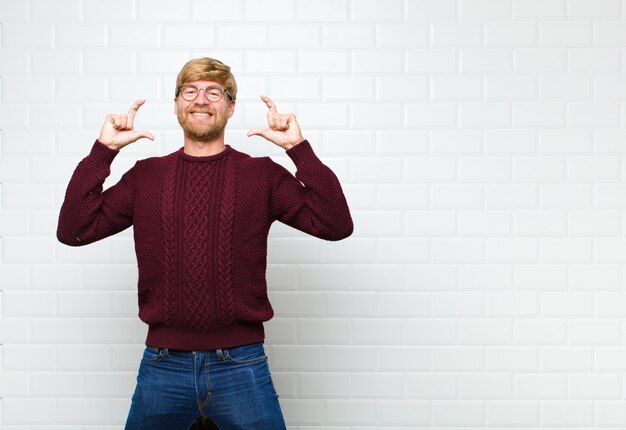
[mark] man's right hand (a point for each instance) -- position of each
(117, 130)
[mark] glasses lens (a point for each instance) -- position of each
(213, 93)
(189, 92)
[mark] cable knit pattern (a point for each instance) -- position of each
(224, 252)
(200, 227)
(169, 244)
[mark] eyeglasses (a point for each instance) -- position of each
(190, 92)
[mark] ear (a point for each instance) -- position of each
(231, 108)
(175, 106)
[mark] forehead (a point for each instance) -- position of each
(204, 84)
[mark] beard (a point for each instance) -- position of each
(202, 131)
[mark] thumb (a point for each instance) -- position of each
(258, 132)
(143, 133)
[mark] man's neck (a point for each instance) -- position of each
(197, 148)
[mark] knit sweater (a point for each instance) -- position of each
(200, 226)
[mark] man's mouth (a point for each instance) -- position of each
(200, 115)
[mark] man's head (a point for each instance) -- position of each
(205, 98)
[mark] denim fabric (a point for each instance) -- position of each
(233, 387)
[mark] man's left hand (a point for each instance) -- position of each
(283, 129)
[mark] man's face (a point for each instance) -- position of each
(201, 119)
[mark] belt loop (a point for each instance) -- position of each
(220, 354)
(166, 353)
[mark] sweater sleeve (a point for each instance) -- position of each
(88, 214)
(313, 201)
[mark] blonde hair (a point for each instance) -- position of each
(208, 69)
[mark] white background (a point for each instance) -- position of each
(481, 144)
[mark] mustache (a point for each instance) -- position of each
(199, 109)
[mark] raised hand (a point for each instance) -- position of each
(283, 129)
(118, 129)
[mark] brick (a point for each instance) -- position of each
(562, 142)
(322, 61)
(322, 10)
(533, 386)
(464, 196)
(456, 413)
(513, 413)
(481, 332)
(510, 142)
(57, 62)
(29, 304)
(13, 11)
(543, 277)
(511, 358)
(480, 277)
(457, 88)
(551, 332)
(432, 10)
(432, 278)
(511, 88)
(485, 169)
(594, 332)
(269, 62)
(594, 387)
(432, 61)
(512, 305)
(238, 35)
(300, 36)
(28, 411)
(485, 386)
(566, 196)
(30, 358)
(350, 411)
(377, 61)
(460, 35)
(567, 359)
(517, 250)
(430, 223)
(593, 169)
(541, 60)
(450, 142)
(536, 169)
(600, 9)
(348, 35)
(485, 9)
(403, 35)
(431, 331)
(57, 384)
(596, 223)
(14, 62)
(510, 34)
(566, 250)
(325, 385)
(377, 170)
(458, 305)
(163, 11)
(432, 169)
(457, 250)
(113, 11)
(610, 33)
(378, 386)
(161, 62)
(403, 142)
(80, 89)
(594, 60)
(27, 89)
(609, 196)
(402, 88)
(134, 35)
(379, 115)
(14, 116)
(27, 36)
(560, 305)
(486, 61)
(595, 277)
(82, 411)
(14, 384)
(540, 9)
(593, 115)
(566, 88)
(565, 34)
(429, 115)
(485, 115)
(404, 412)
(28, 250)
(539, 115)
(429, 386)
(461, 359)
(611, 413)
(540, 224)
(189, 36)
(58, 115)
(80, 36)
(503, 196)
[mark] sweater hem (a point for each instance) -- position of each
(227, 337)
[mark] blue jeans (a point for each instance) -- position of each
(233, 387)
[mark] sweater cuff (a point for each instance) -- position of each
(301, 153)
(102, 154)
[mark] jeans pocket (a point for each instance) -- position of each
(151, 355)
(245, 354)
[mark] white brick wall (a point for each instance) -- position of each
(481, 147)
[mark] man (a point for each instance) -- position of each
(201, 218)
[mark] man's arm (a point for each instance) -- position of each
(313, 201)
(87, 213)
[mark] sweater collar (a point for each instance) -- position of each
(205, 159)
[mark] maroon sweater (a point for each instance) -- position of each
(200, 227)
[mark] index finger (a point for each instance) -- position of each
(133, 109)
(270, 104)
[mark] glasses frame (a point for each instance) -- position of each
(212, 87)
